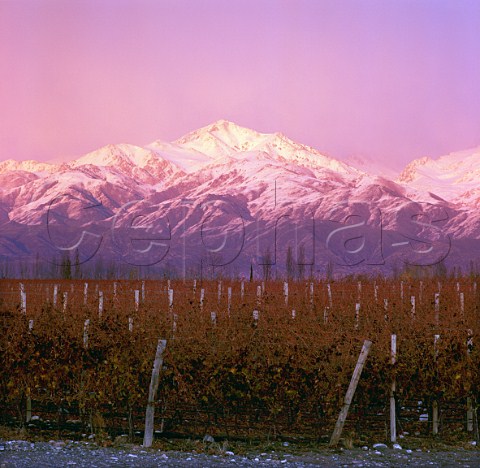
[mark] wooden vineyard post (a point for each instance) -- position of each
(143, 291)
(202, 296)
(23, 309)
(229, 299)
(329, 291)
(357, 315)
(65, 301)
(470, 412)
(242, 290)
(100, 304)
(285, 292)
(469, 415)
(255, 315)
(85, 293)
(259, 295)
(213, 318)
(55, 295)
(437, 308)
(393, 417)
(170, 300)
(435, 402)
(337, 432)
(375, 291)
(312, 300)
(172, 313)
(412, 302)
(150, 412)
(23, 299)
(136, 293)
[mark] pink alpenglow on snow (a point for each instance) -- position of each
(225, 196)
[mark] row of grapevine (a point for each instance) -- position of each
(271, 355)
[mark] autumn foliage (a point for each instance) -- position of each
(228, 372)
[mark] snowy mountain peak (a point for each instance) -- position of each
(221, 174)
(221, 138)
(112, 155)
(142, 164)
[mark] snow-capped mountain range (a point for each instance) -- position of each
(225, 197)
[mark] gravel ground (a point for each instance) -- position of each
(19, 453)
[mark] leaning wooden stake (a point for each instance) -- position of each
(393, 418)
(470, 411)
(435, 410)
(150, 413)
(337, 432)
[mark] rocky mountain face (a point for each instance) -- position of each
(224, 197)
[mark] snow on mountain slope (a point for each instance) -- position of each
(29, 203)
(453, 177)
(15, 178)
(223, 139)
(288, 151)
(27, 166)
(186, 160)
(139, 163)
(226, 181)
(215, 143)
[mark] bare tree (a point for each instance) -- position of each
(301, 262)
(267, 264)
(289, 264)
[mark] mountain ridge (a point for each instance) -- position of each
(224, 185)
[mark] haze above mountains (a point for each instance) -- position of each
(224, 197)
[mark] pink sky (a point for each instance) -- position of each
(372, 78)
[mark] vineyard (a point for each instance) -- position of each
(243, 359)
